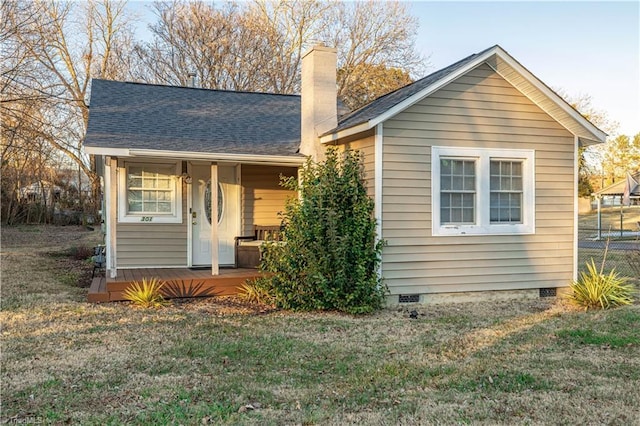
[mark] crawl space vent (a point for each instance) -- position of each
(408, 298)
(547, 292)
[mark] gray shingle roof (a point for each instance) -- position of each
(388, 101)
(145, 116)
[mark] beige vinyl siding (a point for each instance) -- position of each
(262, 196)
(480, 109)
(366, 146)
(142, 245)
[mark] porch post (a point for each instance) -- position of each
(111, 193)
(214, 220)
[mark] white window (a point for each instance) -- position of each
(150, 192)
(479, 191)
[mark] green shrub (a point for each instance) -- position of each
(330, 254)
(146, 294)
(597, 290)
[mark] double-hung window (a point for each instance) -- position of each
(506, 192)
(150, 192)
(478, 191)
(457, 190)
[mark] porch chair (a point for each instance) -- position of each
(248, 251)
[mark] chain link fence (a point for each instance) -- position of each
(616, 245)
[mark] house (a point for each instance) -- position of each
(616, 192)
(41, 191)
(622, 193)
(473, 170)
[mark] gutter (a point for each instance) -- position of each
(240, 158)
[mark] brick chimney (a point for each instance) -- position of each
(318, 98)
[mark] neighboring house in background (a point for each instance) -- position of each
(614, 193)
(623, 193)
(473, 170)
(43, 192)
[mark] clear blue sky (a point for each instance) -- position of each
(582, 47)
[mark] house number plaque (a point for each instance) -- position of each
(146, 218)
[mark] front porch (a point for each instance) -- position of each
(179, 282)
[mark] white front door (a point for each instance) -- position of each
(228, 214)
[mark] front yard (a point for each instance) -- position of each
(215, 361)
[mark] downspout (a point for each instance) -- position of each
(377, 197)
(576, 163)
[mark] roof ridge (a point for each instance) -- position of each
(194, 88)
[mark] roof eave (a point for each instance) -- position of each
(358, 128)
(591, 136)
(190, 155)
(401, 106)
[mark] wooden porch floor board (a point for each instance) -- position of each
(184, 282)
(98, 290)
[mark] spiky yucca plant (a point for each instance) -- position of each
(146, 294)
(597, 290)
(255, 292)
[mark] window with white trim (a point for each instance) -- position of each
(150, 192)
(457, 190)
(506, 191)
(479, 191)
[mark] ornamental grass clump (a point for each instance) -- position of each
(146, 294)
(256, 291)
(597, 290)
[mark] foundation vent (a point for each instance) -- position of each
(547, 292)
(408, 298)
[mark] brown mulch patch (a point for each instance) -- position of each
(221, 306)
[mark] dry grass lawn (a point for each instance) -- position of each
(218, 361)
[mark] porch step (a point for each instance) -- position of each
(226, 284)
(98, 290)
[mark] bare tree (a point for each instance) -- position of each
(365, 82)
(258, 46)
(22, 152)
(592, 162)
(60, 47)
(221, 46)
(288, 27)
(375, 40)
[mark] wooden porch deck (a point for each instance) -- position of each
(179, 282)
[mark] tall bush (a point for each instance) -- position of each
(330, 255)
